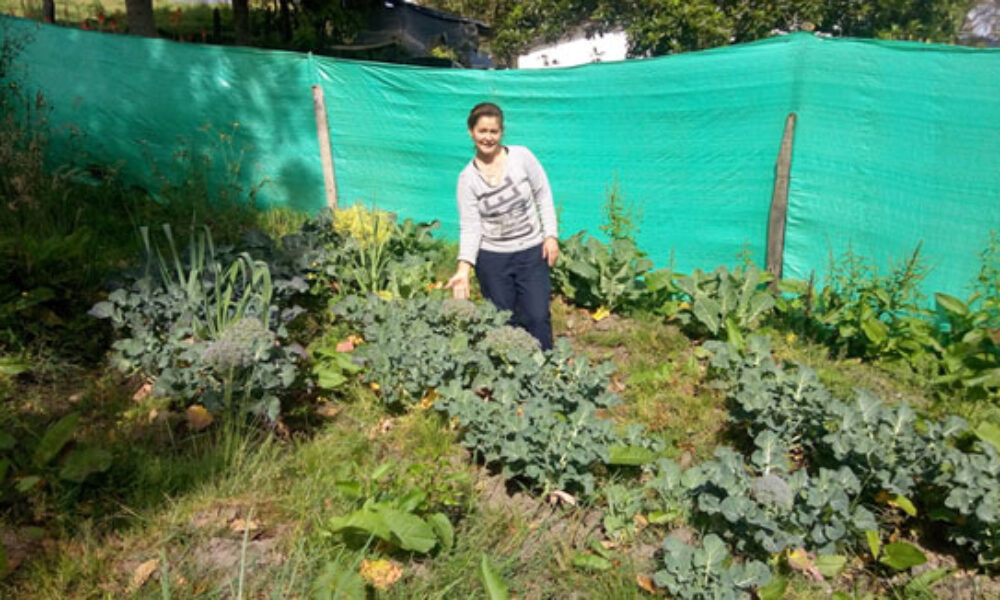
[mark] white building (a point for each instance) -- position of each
(577, 50)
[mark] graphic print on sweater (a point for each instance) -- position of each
(505, 211)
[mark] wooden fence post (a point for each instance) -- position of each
(325, 153)
(779, 202)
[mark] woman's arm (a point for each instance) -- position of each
(470, 236)
(546, 207)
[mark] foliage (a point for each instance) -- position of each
(971, 481)
(657, 27)
(724, 301)
(593, 274)
(969, 342)
(361, 251)
(707, 571)
(417, 346)
(621, 219)
(201, 329)
(47, 463)
(535, 413)
(538, 416)
(764, 510)
(402, 521)
(870, 315)
(873, 453)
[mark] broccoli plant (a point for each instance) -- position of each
(707, 571)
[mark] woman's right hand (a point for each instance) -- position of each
(459, 282)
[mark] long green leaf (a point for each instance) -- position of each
(952, 304)
(55, 439)
(443, 528)
(707, 311)
(591, 562)
(989, 433)
(496, 589)
(874, 542)
(630, 455)
(922, 584)
(774, 590)
(81, 464)
(902, 556)
(408, 531)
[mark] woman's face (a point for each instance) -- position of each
(486, 135)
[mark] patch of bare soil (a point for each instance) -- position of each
(20, 544)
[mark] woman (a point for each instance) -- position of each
(508, 226)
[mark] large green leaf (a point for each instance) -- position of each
(338, 582)
(496, 588)
(876, 331)
(874, 542)
(55, 439)
(630, 455)
(84, 463)
(11, 367)
(902, 556)
(774, 590)
(442, 527)
(830, 565)
(408, 531)
(989, 432)
(707, 311)
(364, 521)
(591, 562)
(952, 304)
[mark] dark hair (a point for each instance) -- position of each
(484, 109)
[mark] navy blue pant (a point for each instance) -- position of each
(519, 282)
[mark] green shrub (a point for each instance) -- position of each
(201, 329)
(592, 274)
(725, 303)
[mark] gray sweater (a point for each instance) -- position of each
(516, 214)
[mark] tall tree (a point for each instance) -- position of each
(657, 27)
(49, 11)
(139, 16)
(241, 21)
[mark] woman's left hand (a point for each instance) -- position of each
(550, 250)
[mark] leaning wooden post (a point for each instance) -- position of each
(779, 202)
(325, 153)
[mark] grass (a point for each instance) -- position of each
(177, 497)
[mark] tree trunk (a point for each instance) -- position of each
(241, 21)
(286, 21)
(139, 15)
(49, 11)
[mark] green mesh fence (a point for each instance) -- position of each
(897, 143)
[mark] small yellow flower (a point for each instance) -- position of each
(374, 386)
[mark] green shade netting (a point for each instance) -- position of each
(897, 143)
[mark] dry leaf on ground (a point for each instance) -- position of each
(198, 417)
(381, 573)
(646, 583)
(143, 392)
(561, 496)
(143, 572)
(328, 410)
(241, 525)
